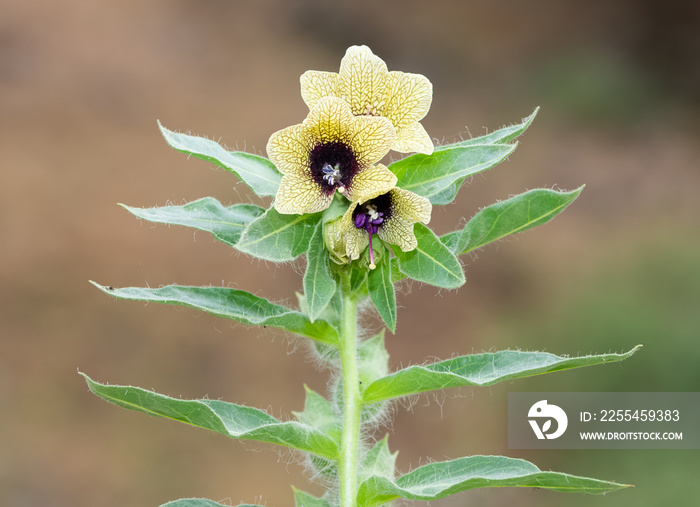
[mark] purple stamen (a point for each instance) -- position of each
(370, 221)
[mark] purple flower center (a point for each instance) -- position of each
(370, 219)
(370, 216)
(333, 165)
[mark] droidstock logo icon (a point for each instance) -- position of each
(543, 413)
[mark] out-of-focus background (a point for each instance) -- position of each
(81, 87)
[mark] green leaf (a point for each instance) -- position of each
(396, 275)
(200, 502)
(258, 173)
(431, 261)
(319, 414)
(303, 499)
(234, 421)
(514, 215)
(333, 311)
(381, 291)
(206, 214)
(358, 279)
(372, 359)
(231, 304)
(439, 176)
(277, 237)
(503, 135)
(372, 364)
(319, 285)
(379, 461)
(438, 480)
(478, 370)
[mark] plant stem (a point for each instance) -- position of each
(351, 397)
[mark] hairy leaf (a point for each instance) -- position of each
(358, 282)
(439, 176)
(442, 479)
(503, 135)
(277, 237)
(303, 499)
(319, 414)
(478, 370)
(258, 173)
(379, 461)
(372, 359)
(381, 291)
(200, 502)
(206, 214)
(319, 284)
(231, 304)
(431, 261)
(514, 215)
(234, 421)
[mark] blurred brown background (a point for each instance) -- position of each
(81, 86)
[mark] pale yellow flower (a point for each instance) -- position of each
(367, 85)
(332, 150)
(390, 216)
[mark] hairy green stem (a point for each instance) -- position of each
(351, 397)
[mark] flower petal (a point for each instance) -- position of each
(398, 231)
(362, 81)
(330, 120)
(410, 206)
(356, 241)
(298, 195)
(289, 149)
(372, 137)
(408, 98)
(407, 209)
(371, 182)
(371, 90)
(317, 84)
(413, 138)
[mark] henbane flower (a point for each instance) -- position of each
(365, 82)
(390, 216)
(332, 150)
